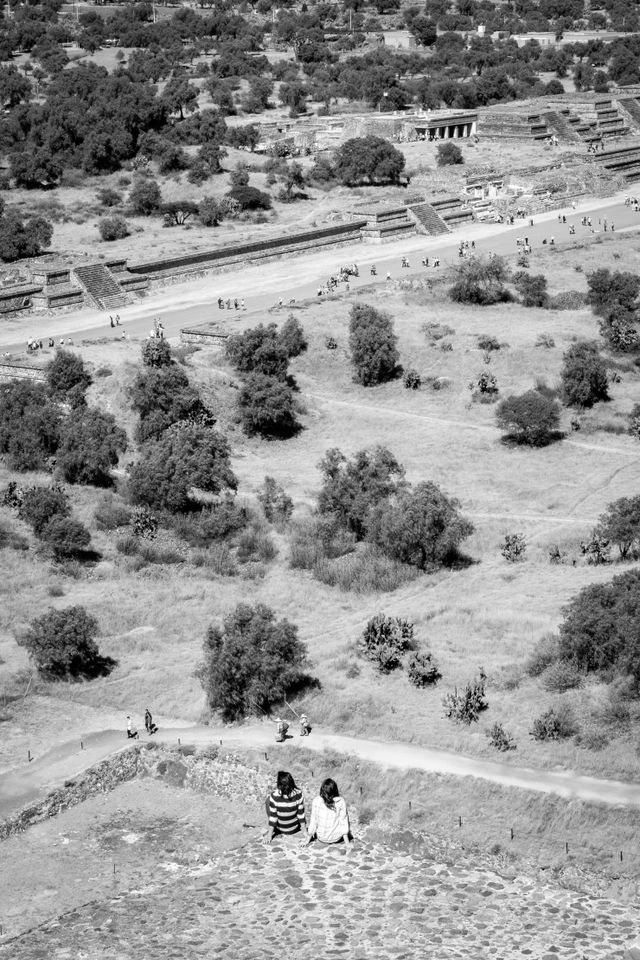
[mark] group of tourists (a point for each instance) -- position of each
(632, 202)
(231, 303)
(466, 248)
(343, 276)
(329, 821)
(33, 345)
(149, 725)
(158, 330)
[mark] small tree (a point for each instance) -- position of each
(67, 377)
(373, 345)
(62, 645)
(513, 547)
(145, 196)
(156, 352)
(266, 405)
(90, 444)
(596, 549)
(352, 489)
(530, 418)
(421, 527)
(634, 421)
(584, 375)
(252, 662)
(291, 337)
(557, 723)
(500, 738)
(177, 212)
(532, 289)
(185, 459)
(277, 505)
(621, 525)
(250, 198)
(485, 388)
(481, 280)
(209, 212)
(259, 350)
(448, 154)
(368, 160)
(113, 228)
(29, 425)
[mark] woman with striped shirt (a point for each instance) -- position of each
(285, 808)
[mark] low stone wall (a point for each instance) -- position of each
(222, 775)
(216, 338)
(20, 371)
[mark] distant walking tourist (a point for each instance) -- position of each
(281, 729)
(149, 725)
(329, 818)
(285, 808)
(305, 726)
(132, 733)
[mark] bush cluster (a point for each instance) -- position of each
(466, 707)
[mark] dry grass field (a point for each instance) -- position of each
(491, 614)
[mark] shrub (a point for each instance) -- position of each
(254, 545)
(62, 645)
(29, 425)
(436, 331)
(291, 337)
(448, 154)
(484, 388)
(266, 406)
(373, 345)
(500, 739)
(531, 418)
(467, 706)
(41, 504)
(488, 343)
(481, 281)
(331, 343)
(277, 505)
(596, 549)
(185, 459)
(546, 652)
(110, 514)
(561, 676)
(90, 445)
(250, 198)
(384, 641)
(163, 396)
(555, 554)
(584, 375)
(557, 723)
(363, 571)
(545, 340)
(213, 523)
(422, 670)
(67, 377)
(351, 489)
(621, 525)
(634, 421)
(113, 228)
(601, 626)
(258, 350)
(209, 212)
(252, 662)
(65, 536)
(411, 379)
(156, 352)
(217, 558)
(143, 523)
(109, 197)
(513, 547)
(566, 300)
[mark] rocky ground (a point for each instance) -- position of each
(383, 900)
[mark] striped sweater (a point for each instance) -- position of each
(286, 814)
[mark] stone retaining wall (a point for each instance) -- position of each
(21, 372)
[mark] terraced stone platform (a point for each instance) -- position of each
(379, 901)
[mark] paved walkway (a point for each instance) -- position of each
(192, 303)
(377, 903)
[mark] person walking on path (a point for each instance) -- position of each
(329, 817)
(281, 729)
(285, 809)
(149, 725)
(132, 733)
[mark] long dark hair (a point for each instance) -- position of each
(328, 792)
(286, 783)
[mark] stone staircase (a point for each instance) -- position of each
(453, 211)
(631, 108)
(510, 125)
(622, 160)
(559, 123)
(401, 899)
(100, 286)
(426, 219)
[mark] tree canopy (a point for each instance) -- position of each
(368, 160)
(373, 345)
(62, 645)
(530, 418)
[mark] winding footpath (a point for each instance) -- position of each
(24, 785)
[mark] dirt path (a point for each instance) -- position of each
(21, 786)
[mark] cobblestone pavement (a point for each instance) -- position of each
(374, 903)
